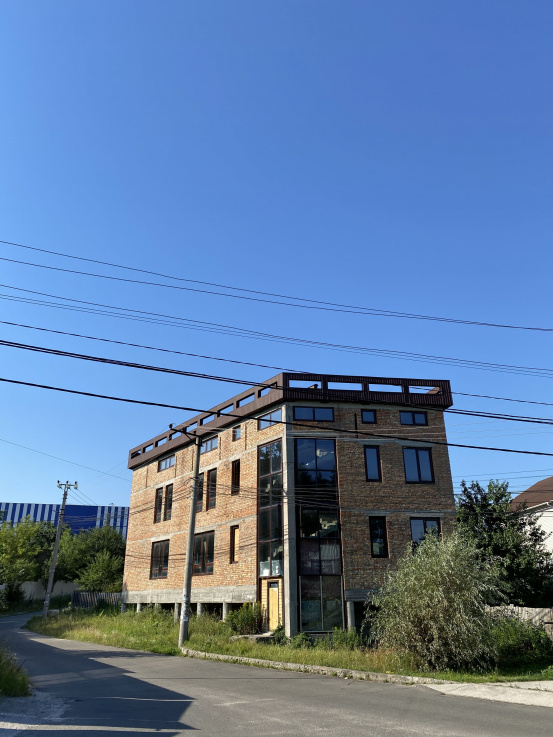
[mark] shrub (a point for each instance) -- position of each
(347, 639)
(248, 620)
(301, 640)
(520, 640)
(433, 606)
(279, 636)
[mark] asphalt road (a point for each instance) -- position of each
(92, 688)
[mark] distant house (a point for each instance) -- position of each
(538, 501)
(77, 516)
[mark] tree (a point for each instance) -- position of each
(79, 553)
(515, 541)
(433, 606)
(103, 573)
(24, 548)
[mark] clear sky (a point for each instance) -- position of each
(390, 154)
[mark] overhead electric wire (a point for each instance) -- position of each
(206, 326)
(295, 423)
(313, 303)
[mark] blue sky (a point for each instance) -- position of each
(396, 155)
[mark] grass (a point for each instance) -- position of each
(155, 631)
(35, 605)
(14, 681)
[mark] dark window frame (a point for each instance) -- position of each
(379, 463)
(233, 551)
(204, 546)
(368, 422)
(413, 413)
(235, 477)
(314, 411)
(425, 520)
(159, 556)
(273, 506)
(200, 492)
(169, 461)
(158, 505)
(266, 421)
(417, 451)
(380, 518)
(168, 503)
(211, 489)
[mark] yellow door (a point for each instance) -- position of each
(274, 619)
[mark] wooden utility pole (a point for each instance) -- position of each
(61, 515)
(187, 585)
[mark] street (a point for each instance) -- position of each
(86, 687)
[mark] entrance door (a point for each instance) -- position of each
(274, 618)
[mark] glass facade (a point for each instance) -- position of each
(270, 509)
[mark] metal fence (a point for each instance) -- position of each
(86, 599)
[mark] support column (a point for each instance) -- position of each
(225, 610)
(290, 583)
(350, 615)
(156, 605)
(138, 606)
(199, 609)
(176, 611)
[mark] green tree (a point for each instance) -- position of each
(433, 607)
(24, 548)
(103, 573)
(515, 541)
(79, 553)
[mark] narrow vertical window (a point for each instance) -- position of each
(200, 493)
(235, 477)
(211, 488)
(158, 505)
(234, 543)
(160, 559)
(202, 562)
(372, 463)
(168, 502)
(379, 537)
(237, 432)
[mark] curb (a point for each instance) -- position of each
(321, 670)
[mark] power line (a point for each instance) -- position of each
(206, 326)
(294, 423)
(313, 303)
(230, 360)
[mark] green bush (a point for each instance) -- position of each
(248, 620)
(520, 640)
(14, 681)
(301, 640)
(347, 639)
(433, 606)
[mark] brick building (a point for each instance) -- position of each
(311, 487)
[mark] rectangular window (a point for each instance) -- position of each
(235, 477)
(372, 463)
(379, 537)
(160, 559)
(270, 419)
(321, 603)
(208, 445)
(166, 463)
(368, 416)
(421, 526)
(418, 465)
(211, 488)
(168, 502)
(319, 541)
(234, 543)
(321, 414)
(202, 562)
(316, 468)
(413, 418)
(158, 505)
(237, 432)
(200, 493)
(270, 512)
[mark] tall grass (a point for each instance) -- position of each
(14, 681)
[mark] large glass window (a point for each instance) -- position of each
(319, 541)
(203, 553)
(270, 509)
(321, 414)
(321, 603)
(160, 559)
(418, 465)
(421, 526)
(270, 419)
(316, 469)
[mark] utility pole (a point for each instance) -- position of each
(187, 585)
(50, 586)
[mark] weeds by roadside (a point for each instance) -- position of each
(14, 680)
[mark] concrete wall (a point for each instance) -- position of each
(35, 590)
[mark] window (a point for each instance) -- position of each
(270, 419)
(379, 537)
(160, 559)
(235, 477)
(321, 414)
(418, 465)
(237, 432)
(164, 463)
(316, 468)
(211, 488)
(200, 493)
(270, 509)
(372, 463)
(413, 418)
(422, 526)
(202, 562)
(168, 502)
(368, 416)
(208, 445)
(321, 603)
(234, 543)
(320, 542)
(158, 505)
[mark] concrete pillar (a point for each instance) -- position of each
(176, 612)
(138, 606)
(225, 610)
(156, 605)
(199, 609)
(290, 583)
(123, 607)
(350, 615)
